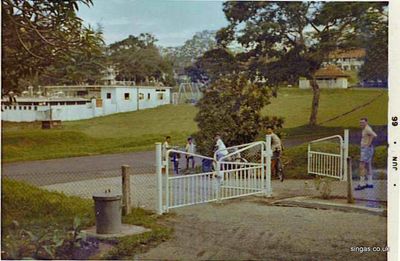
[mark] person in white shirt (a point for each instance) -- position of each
(174, 156)
(166, 146)
(190, 148)
(220, 147)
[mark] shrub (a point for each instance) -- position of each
(231, 106)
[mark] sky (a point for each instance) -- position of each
(171, 22)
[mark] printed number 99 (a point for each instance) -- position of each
(395, 121)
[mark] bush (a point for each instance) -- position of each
(231, 106)
(36, 223)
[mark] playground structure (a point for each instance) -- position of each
(189, 92)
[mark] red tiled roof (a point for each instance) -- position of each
(331, 71)
(356, 53)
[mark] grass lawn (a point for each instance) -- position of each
(34, 219)
(125, 132)
(295, 106)
(135, 131)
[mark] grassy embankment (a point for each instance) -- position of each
(42, 215)
(138, 131)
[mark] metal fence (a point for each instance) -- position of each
(85, 184)
(240, 171)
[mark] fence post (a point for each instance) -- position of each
(219, 182)
(126, 190)
(268, 191)
(159, 192)
(350, 198)
(345, 154)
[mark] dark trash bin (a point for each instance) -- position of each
(206, 165)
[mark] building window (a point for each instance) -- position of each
(20, 107)
(108, 95)
(148, 96)
(35, 108)
(24, 108)
(15, 107)
(141, 96)
(160, 96)
(126, 96)
(29, 108)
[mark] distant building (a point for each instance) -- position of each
(328, 77)
(350, 60)
(77, 102)
(68, 103)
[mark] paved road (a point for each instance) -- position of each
(45, 172)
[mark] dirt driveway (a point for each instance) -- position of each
(251, 230)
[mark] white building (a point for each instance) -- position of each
(350, 60)
(328, 77)
(67, 103)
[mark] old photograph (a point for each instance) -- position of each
(195, 130)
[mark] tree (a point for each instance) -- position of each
(186, 55)
(36, 34)
(286, 40)
(77, 68)
(231, 106)
(213, 64)
(138, 59)
(374, 38)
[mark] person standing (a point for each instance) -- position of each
(220, 147)
(276, 147)
(174, 156)
(166, 146)
(190, 148)
(367, 154)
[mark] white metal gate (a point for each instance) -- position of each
(243, 171)
(326, 158)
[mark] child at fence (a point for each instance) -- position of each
(220, 147)
(367, 155)
(174, 156)
(190, 148)
(221, 151)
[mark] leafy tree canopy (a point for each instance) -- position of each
(186, 55)
(286, 40)
(138, 59)
(232, 106)
(38, 34)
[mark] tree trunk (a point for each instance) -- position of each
(315, 102)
